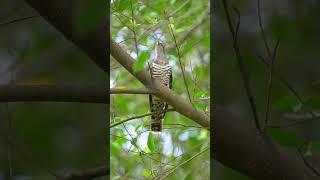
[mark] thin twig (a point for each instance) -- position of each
(238, 23)
(156, 26)
(271, 62)
(134, 144)
(10, 152)
(244, 74)
(133, 29)
(123, 23)
(179, 8)
(18, 20)
(10, 121)
(295, 93)
(187, 34)
(180, 63)
(182, 125)
(262, 30)
(185, 162)
(24, 152)
(89, 94)
(307, 163)
(270, 84)
(136, 117)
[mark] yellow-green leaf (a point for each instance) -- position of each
(150, 143)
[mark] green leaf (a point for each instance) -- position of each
(171, 26)
(203, 134)
(171, 20)
(142, 58)
(146, 172)
(188, 176)
(314, 146)
(149, 20)
(286, 103)
(180, 30)
(139, 126)
(91, 14)
(285, 137)
(150, 143)
(123, 4)
(198, 105)
(313, 102)
(199, 93)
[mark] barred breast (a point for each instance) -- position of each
(162, 73)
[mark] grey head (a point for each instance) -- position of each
(160, 57)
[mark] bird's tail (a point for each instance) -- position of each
(156, 126)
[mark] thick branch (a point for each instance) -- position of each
(87, 174)
(61, 13)
(251, 154)
(132, 91)
(181, 105)
(88, 94)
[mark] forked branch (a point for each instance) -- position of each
(244, 74)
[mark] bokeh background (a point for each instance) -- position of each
(297, 61)
(50, 137)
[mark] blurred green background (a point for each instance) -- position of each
(57, 137)
(297, 60)
(136, 153)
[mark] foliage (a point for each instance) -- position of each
(135, 151)
(48, 136)
(296, 61)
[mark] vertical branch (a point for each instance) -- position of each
(133, 30)
(244, 74)
(10, 132)
(266, 122)
(293, 91)
(307, 163)
(135, 35)
(262, 30)
(179, 59)
(271, 58)
(238, 23)
(9, 146)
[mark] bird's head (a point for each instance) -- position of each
(160, 53)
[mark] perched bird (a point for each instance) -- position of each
(160, 70)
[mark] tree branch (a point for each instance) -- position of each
(61, 13)
(87, 174)
(132, 91)
(181, 105)
(179, 59)
(269, 88)
(18, 20)
(87, 94)
(243, 71)
(183, 163)
(251, 154)
(136, 117)
(187, 34)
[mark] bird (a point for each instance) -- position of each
(160, 70)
